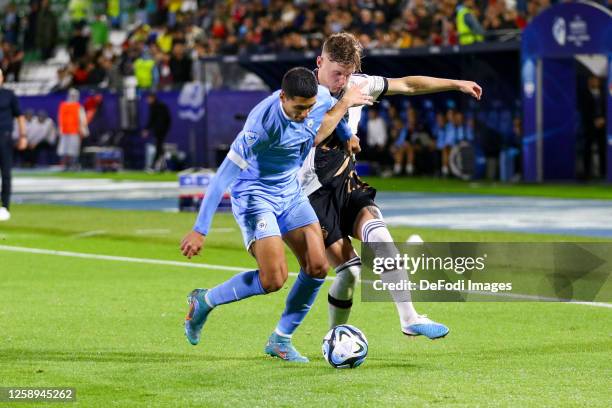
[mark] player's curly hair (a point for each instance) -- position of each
(344, 48)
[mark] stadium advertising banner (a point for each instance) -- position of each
(549, 46)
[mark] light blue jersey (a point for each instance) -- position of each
(271, 147)
(267, 198)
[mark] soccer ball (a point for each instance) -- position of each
(345, 346)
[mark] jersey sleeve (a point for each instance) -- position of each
(376, 85)
(227, 173)
(250, 141)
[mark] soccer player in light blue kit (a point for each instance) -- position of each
(270, 206)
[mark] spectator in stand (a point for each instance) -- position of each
(80, 74)
(11, 24)
(11, 60)
(40, 134)
(444, 135)
(180, 64)
(29, 37)
(401, 150)
(144, 70)
(78, 43)
(376, 141)
(423, 155)
(469, 29)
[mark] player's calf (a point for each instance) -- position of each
(340, 296)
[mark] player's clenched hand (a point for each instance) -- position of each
(470, 88)
(192, 244)
(354, 95)
(352, 146)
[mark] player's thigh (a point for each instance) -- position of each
(306, 243)
(270, 255)
(340, 252)
(324, 202)
(367, 213)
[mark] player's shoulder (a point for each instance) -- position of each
(358, 78)
(323, 91)
(265, 109)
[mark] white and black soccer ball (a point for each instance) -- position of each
(345, 346)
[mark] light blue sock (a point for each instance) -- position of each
(300, 299)
(238, 287)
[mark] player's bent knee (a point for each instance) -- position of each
(273, 282)
(318, 269)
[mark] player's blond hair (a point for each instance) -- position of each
(345, 49)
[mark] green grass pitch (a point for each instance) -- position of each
(113, 329)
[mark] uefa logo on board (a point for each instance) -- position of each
(559, 30)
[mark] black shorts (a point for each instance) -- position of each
(337, 209)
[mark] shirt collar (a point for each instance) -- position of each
(280, 104)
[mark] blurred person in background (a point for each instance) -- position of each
(72, 123)
(43, 135)
(401, 148)
(9, 110)
(594, 126)
(24, 155)
(468, 27)
(158, 125)
(377, 137)
(46, 30)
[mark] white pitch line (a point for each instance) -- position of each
(154, 231)
(88, 234)
(82, 255)
(119, 258)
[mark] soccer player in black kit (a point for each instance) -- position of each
(343, 202)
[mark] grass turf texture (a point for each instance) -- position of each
(114, 331)
(408, 184)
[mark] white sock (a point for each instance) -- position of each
(340, 296)
(376, 231)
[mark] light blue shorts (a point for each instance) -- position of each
(262, 216)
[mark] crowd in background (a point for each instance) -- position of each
(166, 39)
(417, 137)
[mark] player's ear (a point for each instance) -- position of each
(319, 61)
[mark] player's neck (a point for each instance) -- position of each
(283, 110)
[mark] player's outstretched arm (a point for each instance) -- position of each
(354, 96)
(418, 85)
(226, 174)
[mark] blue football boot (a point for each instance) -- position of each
(423, 326)
(196, 317)
(281, 347)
